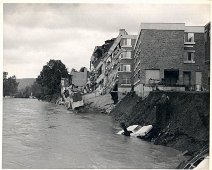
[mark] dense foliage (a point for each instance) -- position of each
(48, 82)
(10, 86)
(33, 90)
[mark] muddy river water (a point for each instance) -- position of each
(44, 135)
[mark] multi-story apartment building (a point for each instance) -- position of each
(112, 63)
(97, 65)
(169, 56)
(118, 63)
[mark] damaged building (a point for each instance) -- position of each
(112, 64)
(97, 66)
(79, 78)
(118, 63)
(76, 81)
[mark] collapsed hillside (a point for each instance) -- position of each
(183, 120)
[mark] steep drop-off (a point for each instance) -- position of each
(183, 120)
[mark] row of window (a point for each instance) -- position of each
(170, 77)
(188, 58)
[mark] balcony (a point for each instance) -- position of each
(189, 43)
(189, 62)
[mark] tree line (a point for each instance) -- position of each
(10, 86)
(47, 84)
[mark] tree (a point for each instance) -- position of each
(50, 77)
(5, 75)
(10, 86)
(36, 90)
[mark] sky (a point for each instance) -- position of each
(34, 33)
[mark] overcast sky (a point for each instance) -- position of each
(35, 33)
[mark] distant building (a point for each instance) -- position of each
(169, 56)
(79, 78)
(76, 82)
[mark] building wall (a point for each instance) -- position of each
(114, 76)
(206, 75)
(129, 75)
(160, 49)
(207, 43)
(164, 49)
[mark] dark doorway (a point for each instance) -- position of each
(171, 76)
(114, 94)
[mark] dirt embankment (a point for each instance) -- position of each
(183, 120)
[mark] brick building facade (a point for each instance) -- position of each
(169, 56)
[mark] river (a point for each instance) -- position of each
(44, 135)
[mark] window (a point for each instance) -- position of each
(126, 81)
(189, 37)
(126, 54)
(126, 42)
(189, 57)
(152, 75)
(171, 76)
(125, 68)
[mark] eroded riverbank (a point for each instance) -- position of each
(183, 120)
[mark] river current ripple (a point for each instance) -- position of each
(44, 135)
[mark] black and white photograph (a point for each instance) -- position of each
(106, 84)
